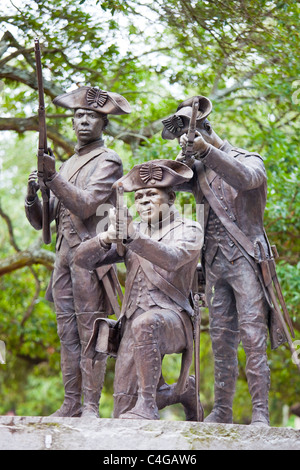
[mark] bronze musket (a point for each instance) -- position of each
(120, 216)
(43, 148)
(272, 267)
(198, 304)
(267, 270)
(192, 130)
(197, 321)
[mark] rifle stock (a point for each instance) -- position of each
(267, 269)
(43, 147)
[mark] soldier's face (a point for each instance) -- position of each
(153, 204)
(88, 125)
(205, 129)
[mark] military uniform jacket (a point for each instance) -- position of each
(79, 195)
(83, 184)
(160, 266)
(168, 259)
(164, 263)
(238, 181)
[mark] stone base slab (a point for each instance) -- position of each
(41, 433)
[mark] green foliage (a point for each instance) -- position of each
(243, 55)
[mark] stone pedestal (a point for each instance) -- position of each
(39, 433)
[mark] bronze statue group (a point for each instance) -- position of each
(161, 253)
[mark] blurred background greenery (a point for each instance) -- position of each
(243, 55)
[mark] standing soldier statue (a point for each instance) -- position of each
(83, 183)
(237, 259)
(161, 255)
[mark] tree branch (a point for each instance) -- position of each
(10, 229)
(33, 255)
(29, 78)
(31, 306)
(27, 257)
(21, 125)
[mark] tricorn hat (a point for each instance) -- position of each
(93, 98)
(177, 124)
(155, 174)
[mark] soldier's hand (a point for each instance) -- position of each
(32, 186)
(181, 156)
(130, 229)
(188, 161)
(198, 141)
(199, 145)
(183, 141)
(110, 236)
(49, 165)
(119, 230)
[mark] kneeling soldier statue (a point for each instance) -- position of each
(161, 255)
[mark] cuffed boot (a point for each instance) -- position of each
(167, 395)
(258, 378)
(92, 383)
(70, 367)
(226, 371)
(148, 366)
(93, 373)
(254, 338)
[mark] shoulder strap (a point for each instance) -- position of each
(128, 284)
(234, 231)
(162, 284)
(82, 161)
(80, 227)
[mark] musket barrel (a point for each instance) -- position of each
(120, 217)
(192, 128)
(197, 321)
(43, 146)
(268, 280)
